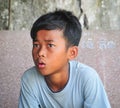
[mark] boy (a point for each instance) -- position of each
(56, 81)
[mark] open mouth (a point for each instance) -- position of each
(41, 65)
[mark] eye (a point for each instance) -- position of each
(51, 45)
(35, 45)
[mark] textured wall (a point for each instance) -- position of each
(102, 14)
(15, 58)
(22, 13)
(4, 14)
(94, 14)
(98, 49)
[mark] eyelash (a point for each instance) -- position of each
(49, 45)
(35, 45)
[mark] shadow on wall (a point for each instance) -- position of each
(98, 49)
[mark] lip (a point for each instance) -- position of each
(41, 64)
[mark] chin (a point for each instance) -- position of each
(43, 73)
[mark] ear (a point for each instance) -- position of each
(73, 52)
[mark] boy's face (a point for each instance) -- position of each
(49, 52)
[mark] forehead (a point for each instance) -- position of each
(53, 35)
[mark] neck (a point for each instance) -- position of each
(58, 81)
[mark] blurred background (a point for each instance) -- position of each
(99, 46)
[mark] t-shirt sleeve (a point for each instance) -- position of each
(94, 92)
(27, 98)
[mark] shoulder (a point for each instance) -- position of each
(29, 72)
(87, 77)
(84, 71)
(82, 68)
(30, 75)
(31, 80)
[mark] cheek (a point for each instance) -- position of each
(61, 54)
(34, 54)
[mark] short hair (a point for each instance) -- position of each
(61, 20)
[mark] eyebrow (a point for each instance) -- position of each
(49, 40)
(45, 40)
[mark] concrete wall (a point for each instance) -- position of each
(99, 49)
(20, 14)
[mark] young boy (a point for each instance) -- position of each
(56, 81)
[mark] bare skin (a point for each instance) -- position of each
(51, 57)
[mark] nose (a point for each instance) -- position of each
(42, 52)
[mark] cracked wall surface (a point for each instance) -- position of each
(93, 14)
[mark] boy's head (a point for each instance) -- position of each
(59, 20)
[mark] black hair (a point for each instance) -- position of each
(61, 20)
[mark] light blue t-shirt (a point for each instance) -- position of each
(84, 89)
